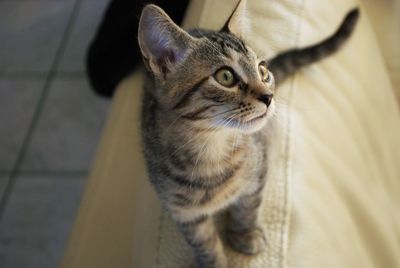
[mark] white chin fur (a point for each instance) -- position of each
(249, 127)
(258, 124)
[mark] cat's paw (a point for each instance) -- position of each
(220, 261)
(249, 243)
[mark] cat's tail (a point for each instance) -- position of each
(286, 63)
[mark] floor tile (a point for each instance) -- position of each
(18, 100)
(37, 221)
(85, 26)
(68, 131)
(30, 33)
(3, 183)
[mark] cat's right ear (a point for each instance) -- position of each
(238, 22)
(163, 44)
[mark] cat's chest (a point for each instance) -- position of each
(211, 160)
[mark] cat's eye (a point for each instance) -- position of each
(225, 77)
(264, 73)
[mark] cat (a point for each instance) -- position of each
(206, 103)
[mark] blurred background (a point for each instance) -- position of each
(50, 124)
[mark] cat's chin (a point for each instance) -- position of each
(249, 126)
(253, 125)
(256, 123)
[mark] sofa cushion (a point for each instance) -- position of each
(333, 186)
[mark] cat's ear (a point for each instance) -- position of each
(238, 23)
(163, 43)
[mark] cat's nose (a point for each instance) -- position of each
(265, 98)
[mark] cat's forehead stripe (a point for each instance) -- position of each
(224, 40)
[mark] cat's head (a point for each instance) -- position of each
(209, 78)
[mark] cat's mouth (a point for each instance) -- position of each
(250, 125)
(256, 118)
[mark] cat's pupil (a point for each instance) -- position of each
(226, 76)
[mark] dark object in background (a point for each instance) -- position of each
(114, 52)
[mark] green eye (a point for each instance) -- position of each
(225, 77)
(264, 73)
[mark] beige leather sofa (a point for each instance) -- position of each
(333, 192)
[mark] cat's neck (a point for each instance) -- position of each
(208, 144)
(216, 145)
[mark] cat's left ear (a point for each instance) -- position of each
(238, 23)
(163, 43)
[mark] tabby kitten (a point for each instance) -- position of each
(207, 98)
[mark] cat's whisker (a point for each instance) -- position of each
(194, 138)
(225, 125)
(224, 112)
(214, 128)
(281, 101)
(278, 118)
(190, 140)
(173, 122)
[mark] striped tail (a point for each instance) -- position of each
(286, 63)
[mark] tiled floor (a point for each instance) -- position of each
(50, 124)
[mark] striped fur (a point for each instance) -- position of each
(287, 63)
(202, 141)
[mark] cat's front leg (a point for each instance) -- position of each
(205, 242)
(244, 233)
